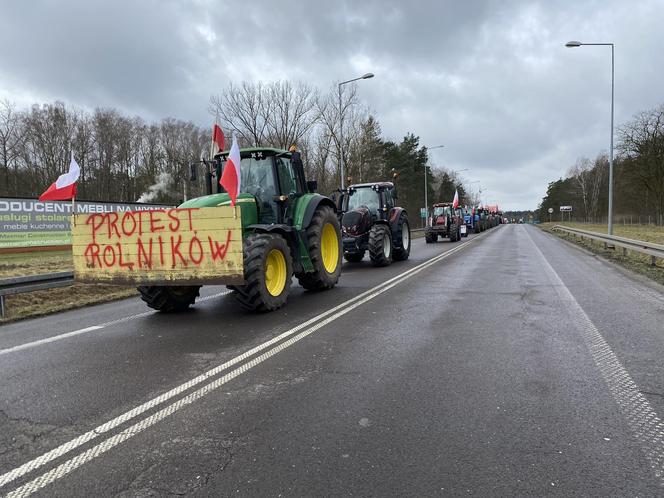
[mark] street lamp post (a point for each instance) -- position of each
(426, 188)
(342, 168)
(574, 44)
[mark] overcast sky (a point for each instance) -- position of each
(491, 80)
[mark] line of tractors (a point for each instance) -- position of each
(289, 230)
(454, 223)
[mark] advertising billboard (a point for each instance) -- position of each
(31, 223)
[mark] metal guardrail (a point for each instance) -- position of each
(649, 248)
(19, 285)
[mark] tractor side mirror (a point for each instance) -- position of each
(193, 173)
(312, 186)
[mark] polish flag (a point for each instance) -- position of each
(455, 202)
(218, 137)
(230, 179)
(64, 188)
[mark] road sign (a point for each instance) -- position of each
(565, 208)
(551, 210)
(423, 212)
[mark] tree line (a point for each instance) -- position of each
(124, 158)
(638, 177)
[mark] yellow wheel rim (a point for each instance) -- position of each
(275, 272)
(329, 248)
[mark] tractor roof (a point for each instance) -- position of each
(373, 184)
(442, 204)
(265, 151)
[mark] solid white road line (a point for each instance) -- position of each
(641, 418)
(75, 462)
(92, 328)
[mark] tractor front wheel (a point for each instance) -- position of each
(380, 245)
(325, 251)
(268, 271)
(454, 232)
(430, 237)
(169, 299)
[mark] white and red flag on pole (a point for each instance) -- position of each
(64, 188)
(218, 137)
(455, 202)
(230, 178)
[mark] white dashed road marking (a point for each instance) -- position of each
(92, 328)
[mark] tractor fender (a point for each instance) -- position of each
(395, 215)
(314, 201)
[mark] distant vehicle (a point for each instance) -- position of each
(469, 219)
(445, 222)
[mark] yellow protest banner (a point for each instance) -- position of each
(179, 246)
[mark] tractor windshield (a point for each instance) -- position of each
(258, 178)
(441, 210)
(365, 196)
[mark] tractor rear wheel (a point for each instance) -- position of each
(380, 245)
(169, 299)
(402, 249)
(354, 257)
(268, 271)
(324, 244)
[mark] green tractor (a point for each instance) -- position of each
(288, 230)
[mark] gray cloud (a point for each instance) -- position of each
(489, 79)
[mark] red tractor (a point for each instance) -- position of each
(445, 222)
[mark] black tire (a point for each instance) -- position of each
(169, 299)
(320, 278)
(402, 248)
(380, 245)
(254, 294)
(476, 229)
(430, 237)
(354, 257)
(454, 232)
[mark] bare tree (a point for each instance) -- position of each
(10, 140)
(642, 142)
(245, 110)
(292, 113)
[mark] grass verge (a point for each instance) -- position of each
(633, 261)
(44, 302)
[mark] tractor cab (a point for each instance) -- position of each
(444, 213)
(376, 198)
(273, 179)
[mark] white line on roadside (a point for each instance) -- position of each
(92, 328)
(33, 344)
(75, 462)
(641, 418)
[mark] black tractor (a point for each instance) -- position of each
(370, 220)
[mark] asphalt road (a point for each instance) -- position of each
(510, 364)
